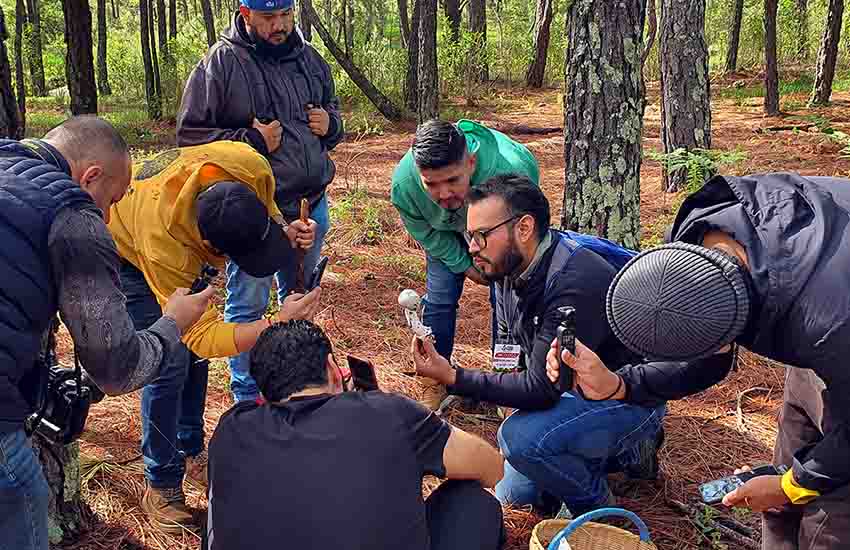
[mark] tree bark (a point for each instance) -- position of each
(652, 30)
(603, 102)
(162, 30)
(828, 54)
(685, 97)
(734, 37)
(102, 73)
(304, 23)
(36, 54)
(428, 88)
(172, 19)
(11, 125)
(802, 53)
(68, 516)
(771, 70)
(114, 10)
(381, 102)
(79, 59)
(411, 87)
(209, 21)
(542, 24)
(157, 77)
(478, 25)
(348, 26)
(404, 23)
(153, 100)
(452, 8)
(20, 22)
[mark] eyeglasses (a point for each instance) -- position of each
(480, 235)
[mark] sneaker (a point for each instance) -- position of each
(166, 509)
(433, 393)
(647, 465)
(196, 468)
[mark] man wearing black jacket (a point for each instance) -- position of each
(263, 84)
(761, 261)
(560, 445)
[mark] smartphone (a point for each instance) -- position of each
(362, 374)
(566, 341)
(208, 273)
(714, 491)
(318, 273)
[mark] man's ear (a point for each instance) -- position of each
(90, 176)
(246, 13)
(526, 227)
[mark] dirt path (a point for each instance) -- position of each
(372, 260)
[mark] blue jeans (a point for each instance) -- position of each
(568, 450)
(23, 495)
(173, 404)
(443, 289)
(248, 298)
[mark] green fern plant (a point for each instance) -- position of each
(700, 165)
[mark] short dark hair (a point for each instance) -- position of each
(521, 197)
(438, 144)
(88, 137)
(289, 357)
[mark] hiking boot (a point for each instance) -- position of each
(166, 509)
(196, 469)
(432, 394)
(647, 465)
(565, 513)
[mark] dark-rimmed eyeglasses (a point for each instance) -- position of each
(480, 235)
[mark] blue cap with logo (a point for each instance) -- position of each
(268, 5)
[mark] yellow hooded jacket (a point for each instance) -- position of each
(155, 226)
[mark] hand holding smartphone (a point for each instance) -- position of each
(362, 374)
(566, 341)
(318, 272)
(714, 491)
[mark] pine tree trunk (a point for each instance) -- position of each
(79, 59)
(453, 14)
(154, 104)
(11, 126)
(542, 24)
(603, 102)
(428, 88)
(114, 10)
(478, 25)
(102, 73)
(685, 98)
(802, 30)
(828, 54)
(411, 87)
(348, 25)
(771, 71)
(304, 23)
(162, 30)
(36, 54)
(20, 79)
(209, 21)
(404, 23)
(734, 37)
(68, 516)
(157, 76)
(172, 19)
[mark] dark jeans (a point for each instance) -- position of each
(824, 523)
(173, 404)
(24, 495)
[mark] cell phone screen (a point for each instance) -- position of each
(318, 273)
(362, 374)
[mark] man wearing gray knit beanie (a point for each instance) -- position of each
(762, 261)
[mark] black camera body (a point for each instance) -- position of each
(566, 340)
(208, 273)
(63, 415)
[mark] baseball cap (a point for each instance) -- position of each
(234, 220)
(679, 302)
(268, 5)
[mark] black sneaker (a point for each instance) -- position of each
(647, 464)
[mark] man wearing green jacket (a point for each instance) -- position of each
(429, 191)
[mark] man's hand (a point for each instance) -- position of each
(301, 234)
(431, 364)
(299, 306)
(476, 276)
(319, 121)
(591, 374)
(758, 494)
(187, 308)
(271, 133)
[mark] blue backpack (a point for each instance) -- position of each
(614, 254)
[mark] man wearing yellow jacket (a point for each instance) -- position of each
(185, 208)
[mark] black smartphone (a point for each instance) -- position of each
(714, 491)
(208, 273)
(362, 374)
(318, 273)
(566, 340)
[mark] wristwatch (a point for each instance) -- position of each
(795, 493)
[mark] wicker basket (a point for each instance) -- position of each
(583, 534)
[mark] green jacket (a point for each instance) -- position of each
(436, 228)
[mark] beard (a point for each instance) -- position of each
(271, 50)
(505, 266)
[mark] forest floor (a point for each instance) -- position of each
(372, 260)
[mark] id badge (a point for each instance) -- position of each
(506, 357)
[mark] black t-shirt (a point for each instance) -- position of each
(326, 471)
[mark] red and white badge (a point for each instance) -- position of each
(506, 357)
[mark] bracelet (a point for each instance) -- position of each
(619, 385)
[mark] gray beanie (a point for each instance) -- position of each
(678, 302)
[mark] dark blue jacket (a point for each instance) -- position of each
(35, 184)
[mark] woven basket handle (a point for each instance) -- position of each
(643, 531)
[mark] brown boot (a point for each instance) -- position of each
(166, 509)
(196, 469)
(432, 394)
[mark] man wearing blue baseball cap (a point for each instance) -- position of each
(264, 85)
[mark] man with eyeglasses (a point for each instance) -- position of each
(558, 447)
(429, 190)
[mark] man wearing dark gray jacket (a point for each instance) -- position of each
(261, 83)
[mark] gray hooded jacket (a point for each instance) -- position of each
(235, 83)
